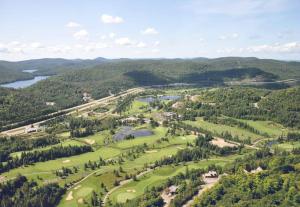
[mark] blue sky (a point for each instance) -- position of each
(149, 29)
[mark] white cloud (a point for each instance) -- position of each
(149, 31)
(156, 43)
(284, 48)
(239, 7)
(141, 45)
(36, 45)
(73, 25)
(291, 47)
(124, 41)
(155, 50)
(108, 19)
(3, 48)
(112, 35)
(230, 36)
(82, 34)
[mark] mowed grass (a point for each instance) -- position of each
(52, 165)
(65, 143)
(106, 174)
(287, 145)
(220, 128)
(271, 128)
(136, 107)
(137, 188)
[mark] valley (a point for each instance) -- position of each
(137, 141)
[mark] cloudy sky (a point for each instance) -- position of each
(149, 29)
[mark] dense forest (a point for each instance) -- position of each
(23, 193)
(276, 185)
(98, 77)
(281, 106)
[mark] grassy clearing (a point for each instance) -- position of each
(287, 145)
(220, 128)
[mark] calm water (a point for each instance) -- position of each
(24, 83)
(150, 99)
(125, 131)
(29, 71)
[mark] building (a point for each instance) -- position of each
(86, 97)
(211, 174)
(50, 103)
(31, 129)
(172, 190)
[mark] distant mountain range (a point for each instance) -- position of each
(11, 71)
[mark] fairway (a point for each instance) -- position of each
(221, 128)
(137, 188)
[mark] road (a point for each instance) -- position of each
(72, 110)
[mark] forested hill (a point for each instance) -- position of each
(177, 69)
(99, 76)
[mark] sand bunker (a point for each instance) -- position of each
(70, 196)
(66, 161)
(80, 200)
(222, 143)
(151, 151)
(130, 191)
(89, 141)
(76, 187)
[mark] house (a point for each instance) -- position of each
(50, 103)
(31, 128)
(130, 120)
(172, 190)
(211, 174)
(86, 97)
(169, 115)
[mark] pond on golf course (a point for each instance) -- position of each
(127, 130)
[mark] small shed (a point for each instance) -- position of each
(211, 174)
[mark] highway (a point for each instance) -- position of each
(87, 106)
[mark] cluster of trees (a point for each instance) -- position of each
(28, 158)
(21, 192)
(275, 186)
(65, 171)
(246, 103)
(202, 150)
(95, 164)
(15, 144)
(124, 104)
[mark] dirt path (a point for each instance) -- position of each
(209, 183)
(124, 182)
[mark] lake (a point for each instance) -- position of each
(150, 99)
(24, 83)
(126, 130)
(29, 71)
